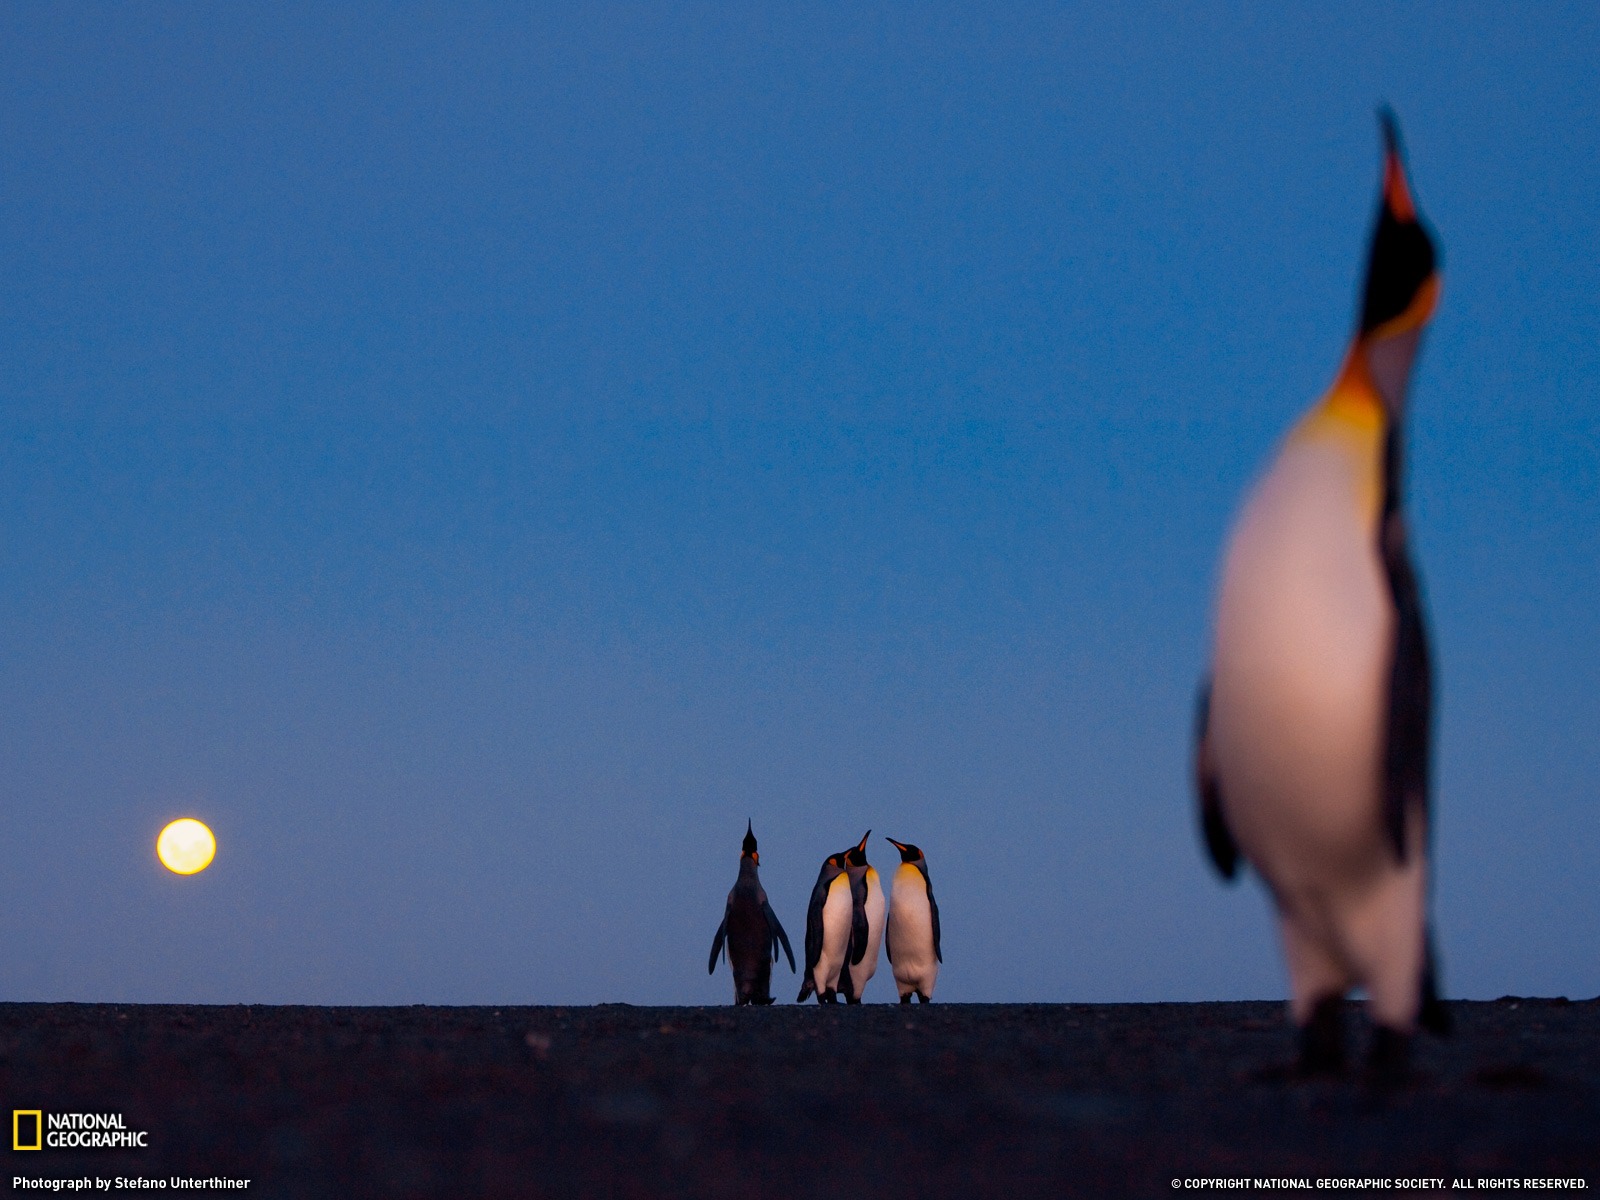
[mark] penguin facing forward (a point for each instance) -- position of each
(866, 922)
(827, 931)
(752, 931)
(1314, 729)
(911, 938)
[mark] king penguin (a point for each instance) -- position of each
(911, 939)
(1314, 729)
(827, 931)
(752, 930)
(866, 921)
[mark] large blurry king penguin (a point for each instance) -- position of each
(827, 931)
(752, 931)
(911, 938)
(1314, 729)
(866, 922)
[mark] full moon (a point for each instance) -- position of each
(186, 846)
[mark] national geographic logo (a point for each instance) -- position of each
(34, 1129)
(27, 1129)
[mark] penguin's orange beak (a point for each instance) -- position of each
(862, 845)
(1396, 192)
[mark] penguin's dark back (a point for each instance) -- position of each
(749, 940)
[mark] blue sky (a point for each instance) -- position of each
(475, 460)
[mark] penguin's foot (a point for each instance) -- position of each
(906, 999)
(1322, 1038)
(922, 998)
(762, 1000)
(828, 996)
(1389, 1058)
(852, 999)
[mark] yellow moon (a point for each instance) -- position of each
(186, 846)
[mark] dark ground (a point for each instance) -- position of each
(946, 1100)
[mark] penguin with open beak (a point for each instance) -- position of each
(752, 932)
(866, 922)
(1314, 728)
(911, 938)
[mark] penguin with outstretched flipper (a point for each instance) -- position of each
(752, 932)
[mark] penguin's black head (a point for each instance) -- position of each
(750, 845)
(1403, 265)
(908, 852)
(1402, 286)
(856, 856)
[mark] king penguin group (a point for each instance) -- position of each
(847, 922)
(1314, 725)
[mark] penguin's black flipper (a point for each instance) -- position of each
(847, 985)
(1219, 841)
(716, 945)
(933, 906)
(858, 920)
(1410, 716)
(819, 897)
(778, 935)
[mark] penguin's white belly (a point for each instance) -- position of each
(874, 908)
(916, 967)
(1299, 698)
(836, 914)
(1297, 729)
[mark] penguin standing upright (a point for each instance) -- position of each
(752, 931)
(1314, 730)
(866, 921)
(827, 931)
(911, 938)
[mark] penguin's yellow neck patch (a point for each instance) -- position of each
(1352, 417)
(1353, 405)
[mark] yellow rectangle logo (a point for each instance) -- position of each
(27, 1125)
